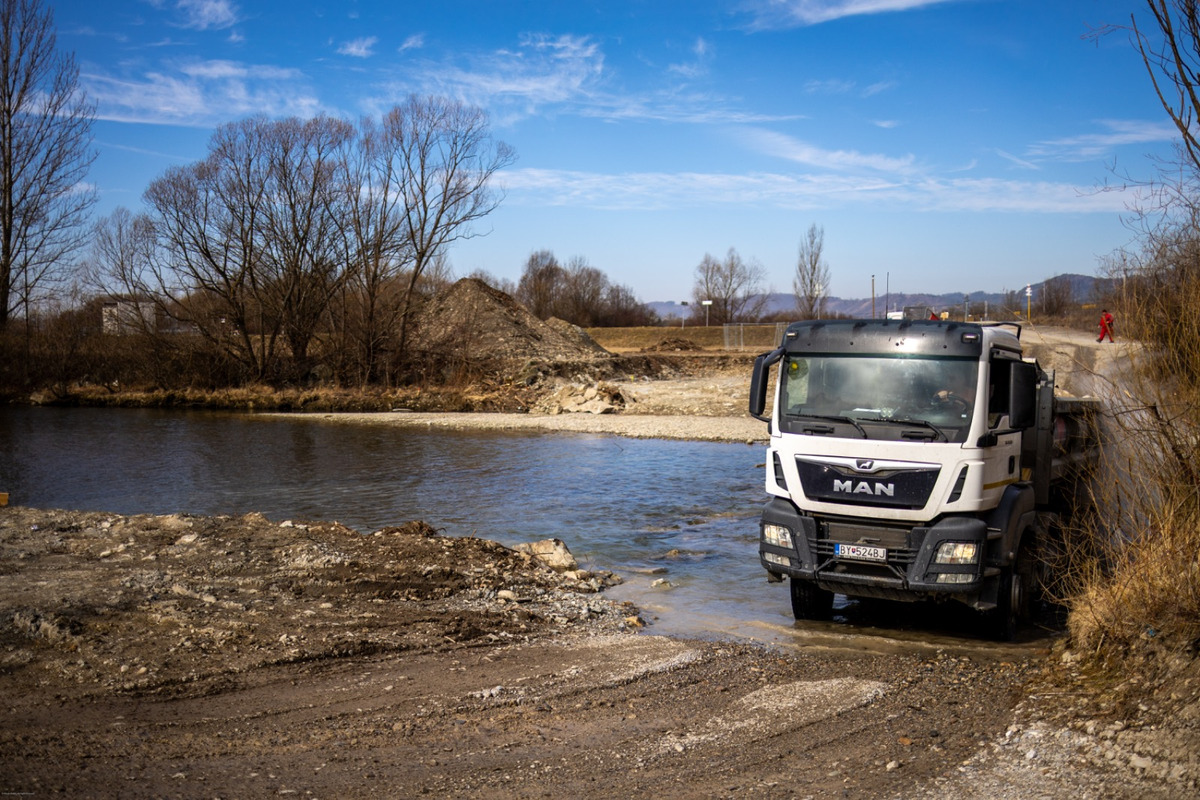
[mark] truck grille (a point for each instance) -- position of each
(899, 488)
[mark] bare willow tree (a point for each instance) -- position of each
(812, 273)
(734, 287)
(445, 158)
(304, 264)
(209, 217)
(122, 254)
(541, 283)
(45, 153)
(583, 293)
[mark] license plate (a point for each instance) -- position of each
(861, 552)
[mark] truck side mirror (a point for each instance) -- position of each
(1022, 395)
(758, 383)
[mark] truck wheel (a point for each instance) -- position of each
(810, 601)
(1014, 596)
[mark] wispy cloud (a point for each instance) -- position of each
(561, 74)
(768, 14)
(201, 93)
(362, 47)
(1023, 163)
(541, 71)
(786, 147)
(654, 191)
(207, 14)
(1114, 133)
(698, 66)
(414, 42)
(829, 86)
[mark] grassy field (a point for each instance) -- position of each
(743, 338)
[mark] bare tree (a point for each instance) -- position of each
(304, 263)
(45, 153)
(1057, 296)
(445, 157)
(122, 254)
(623, 308)
(377, 253)
(1173, 63)
(582, 300)
(734, 286)
(812, 274)
(209, 218)
(540, 283)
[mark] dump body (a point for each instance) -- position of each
(911, 460)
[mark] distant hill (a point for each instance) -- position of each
(1084, 289)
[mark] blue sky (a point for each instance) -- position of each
(943, 145)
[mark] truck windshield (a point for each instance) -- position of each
(883, 396)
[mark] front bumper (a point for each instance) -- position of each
(909, 572)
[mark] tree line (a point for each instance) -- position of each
(294, 238)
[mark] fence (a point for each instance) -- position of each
(753, 335)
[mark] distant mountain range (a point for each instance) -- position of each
(1084, 289)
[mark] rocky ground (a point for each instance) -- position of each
(243, 657)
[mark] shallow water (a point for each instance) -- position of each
(677, 520)
(650, 510)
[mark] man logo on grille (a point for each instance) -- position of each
(862, 487)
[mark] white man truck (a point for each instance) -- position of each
(915, 460)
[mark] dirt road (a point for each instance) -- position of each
(240, 657)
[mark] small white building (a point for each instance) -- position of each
(124, 317)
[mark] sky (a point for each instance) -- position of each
(941, 145)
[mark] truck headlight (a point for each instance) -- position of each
(777, 535)
(955, 577)
(957, 553)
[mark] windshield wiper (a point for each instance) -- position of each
(924, 423)
(828, 418)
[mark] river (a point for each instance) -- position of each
(683, 514)
(678, 520)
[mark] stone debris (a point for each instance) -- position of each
(596, 398)
(94, 602)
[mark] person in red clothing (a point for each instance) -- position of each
(1106, 326)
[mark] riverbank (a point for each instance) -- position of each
(707, 429)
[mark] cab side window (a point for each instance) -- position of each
(999, 379)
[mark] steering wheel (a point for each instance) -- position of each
(951, 402)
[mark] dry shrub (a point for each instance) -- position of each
(1138, 589)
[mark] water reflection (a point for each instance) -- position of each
(620, 504)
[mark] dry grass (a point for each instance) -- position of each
(756, 338)
(1138, 589)
(482, 396)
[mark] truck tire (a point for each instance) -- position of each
(810, 601)
(1014, 598)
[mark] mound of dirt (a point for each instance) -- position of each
(673, 345)
(472, 322)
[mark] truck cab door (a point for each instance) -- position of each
(1001, 444)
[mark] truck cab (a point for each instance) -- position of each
(902, 464)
